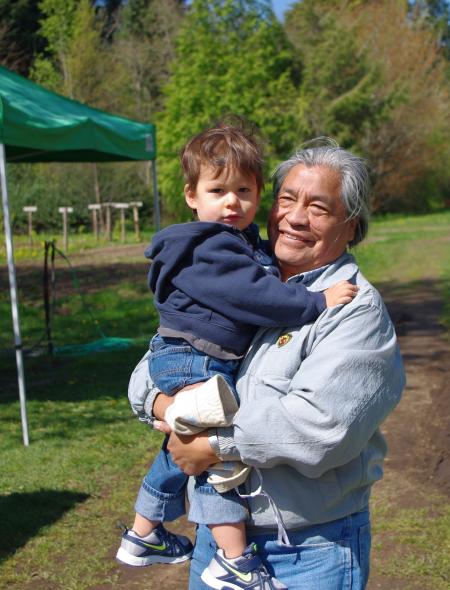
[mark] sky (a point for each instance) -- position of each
(279, 6)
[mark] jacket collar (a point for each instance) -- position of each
(319, 279)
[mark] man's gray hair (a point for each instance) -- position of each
(353, 170)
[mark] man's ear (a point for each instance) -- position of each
(352, 228)
(189, 195)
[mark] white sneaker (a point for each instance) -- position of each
(247, 571)
(161, 546)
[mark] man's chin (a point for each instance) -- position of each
(293, 264)
(293, 250)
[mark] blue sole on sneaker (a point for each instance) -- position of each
(213, 582)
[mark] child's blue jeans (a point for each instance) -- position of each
(173, 364)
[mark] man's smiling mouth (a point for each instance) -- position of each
(296, 237)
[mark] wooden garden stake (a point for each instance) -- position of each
(122, 207)
(65, 211)
(136, 205)
(30, 210)
(108, 220)
(95, 208)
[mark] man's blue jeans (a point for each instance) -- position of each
(330, 556)
(174, 364)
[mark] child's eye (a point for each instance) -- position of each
(244, 189)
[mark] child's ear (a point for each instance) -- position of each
(189, 195)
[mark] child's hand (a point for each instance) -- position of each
(162, 426)
(340, 293)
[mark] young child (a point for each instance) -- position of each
(214, 285)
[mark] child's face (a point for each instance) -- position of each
(231, 198)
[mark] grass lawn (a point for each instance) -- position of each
(62, 496)
(77, 242)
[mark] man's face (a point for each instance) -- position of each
(308, 225)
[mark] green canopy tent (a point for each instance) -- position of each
(37, 125)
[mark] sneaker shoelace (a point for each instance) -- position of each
(170, 539)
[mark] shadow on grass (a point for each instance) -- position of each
(23, 515)
(71, 379)
(91, 278)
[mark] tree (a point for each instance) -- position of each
(19, 34)
(410, 150)
(80, 62)
(77, 63)
(51, 67)
(146, 47)
(436, 14)
(337, 93)
(374, 78)
(231, 57)
(109, 13)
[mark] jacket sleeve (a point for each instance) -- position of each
(342, 391)
(224, 277)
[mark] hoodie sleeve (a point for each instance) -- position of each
(224, 277)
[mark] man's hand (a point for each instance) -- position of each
(340, 293)
(192, 454)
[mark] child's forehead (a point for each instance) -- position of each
(227, 172)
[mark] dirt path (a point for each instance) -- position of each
(418, 434)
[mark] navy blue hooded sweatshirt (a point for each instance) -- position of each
(208, 280)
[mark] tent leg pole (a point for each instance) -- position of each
(14, 300)
(156, 213)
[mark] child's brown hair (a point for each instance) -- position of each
(230, 143)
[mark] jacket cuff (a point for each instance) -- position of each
(222, 443)
(150, 400)
(142, 392)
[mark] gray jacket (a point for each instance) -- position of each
(312, 401)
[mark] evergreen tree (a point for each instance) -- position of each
(231, 57)
(337, 95)
(19, 34)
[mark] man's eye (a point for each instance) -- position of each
(286, 199)
(318, 208)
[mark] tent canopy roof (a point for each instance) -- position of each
(37, 125)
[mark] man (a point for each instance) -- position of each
(313, 398)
